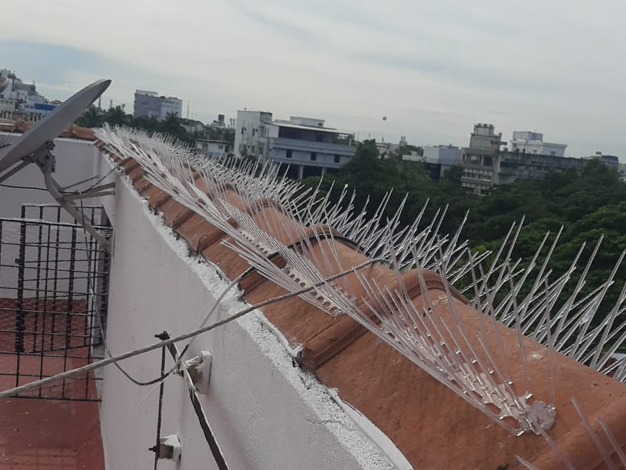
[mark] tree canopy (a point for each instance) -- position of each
(171, 125)
(587, 205)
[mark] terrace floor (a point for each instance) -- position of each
(41, 434)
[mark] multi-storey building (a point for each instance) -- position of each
(437, 159)
(21, 100)
(485, 164)
(479, 160)
(532, 142)
(151, 104)
(214, 148)
(304, 144)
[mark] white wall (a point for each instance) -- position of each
(446, 155)
(248, 131)
(75, 161)
(266, 413)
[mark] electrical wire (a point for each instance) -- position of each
(31, 188)
(102, 179)
(126, 374)
(189, 335)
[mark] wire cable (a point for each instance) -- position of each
(102, 179)
(191, 334)
(30, 188)
(107, 350)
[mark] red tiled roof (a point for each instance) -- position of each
(73, 132)
(430, 424)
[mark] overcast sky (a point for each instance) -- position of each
(433, 68)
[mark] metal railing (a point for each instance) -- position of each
(53, 300)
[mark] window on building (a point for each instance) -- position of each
(289, 153)
(220, 147)
(337, 159)
(253, 131)
(252, 148)
(313, 156)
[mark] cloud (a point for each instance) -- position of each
(434, 68)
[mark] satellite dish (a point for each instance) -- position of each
(35, 145)
(4, 83)
(52, 125)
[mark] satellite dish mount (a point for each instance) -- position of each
(36, 145)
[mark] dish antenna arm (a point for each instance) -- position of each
(46, 162)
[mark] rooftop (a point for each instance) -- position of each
(349, 337)
(291, 125)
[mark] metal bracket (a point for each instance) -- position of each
(47, 163)
(218, 455)
(169, 448)
(199, 369)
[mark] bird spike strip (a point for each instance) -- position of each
(605, 443)
(303, 230)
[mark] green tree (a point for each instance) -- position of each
(171, 125)
(92, 117)
(116, 116)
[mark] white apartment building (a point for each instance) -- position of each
(214, 148)
(7, 108)
(532, 142)
(23, 100)
(303, 144)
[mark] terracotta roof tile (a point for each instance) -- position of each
(431, 425)
(72, 132)
(156, 197)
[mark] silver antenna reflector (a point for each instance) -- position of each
(35, 146)
(52, 125)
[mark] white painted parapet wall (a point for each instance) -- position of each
(265, 413)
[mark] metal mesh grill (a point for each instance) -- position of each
(53, 300)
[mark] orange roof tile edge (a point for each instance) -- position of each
(72, 132)
(430, 425)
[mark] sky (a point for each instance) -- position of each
(434, 68)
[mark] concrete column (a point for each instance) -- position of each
(300, 171)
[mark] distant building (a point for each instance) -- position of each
(192, 126)
(437, 159)
(214, 148)
(532, 142)
(385, 149)
(515, 166)
(609, 160)
(23, 101)
(7, 108)
(305, 144)
(219, 122)
(486, 164)
(479, 158)
(151, 104)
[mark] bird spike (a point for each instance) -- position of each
(434, 338)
